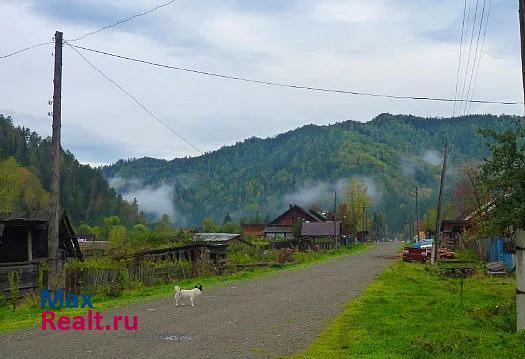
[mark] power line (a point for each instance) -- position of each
(480, 54)
(121, 21)
(93, 32)
(135, 100)
(475, 54)
(302, 87)
(469, 54)
(460, 53)
(26, 49)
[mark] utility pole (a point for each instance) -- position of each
(54, 266)
(365, 225)
(335, 220)
(411, 226)
(520, 235)
(522, 37)
(417, 216)
(294, 190)
(440, 200)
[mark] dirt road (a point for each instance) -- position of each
(275, 315)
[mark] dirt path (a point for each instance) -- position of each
(275, 315)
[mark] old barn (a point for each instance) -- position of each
(23, 246)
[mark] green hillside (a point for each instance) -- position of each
(25, 180)
(392, 153)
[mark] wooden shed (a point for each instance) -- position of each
(23, 246)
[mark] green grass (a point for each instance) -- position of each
(411, 311)
(29, 313)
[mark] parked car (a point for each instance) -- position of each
(415, 254)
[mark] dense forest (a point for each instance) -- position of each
(257, 178)
(25, 175)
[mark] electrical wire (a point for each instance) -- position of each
(26, 49)
(121, 21)
(92, 32)
(155, 117)
(460, 53)
(302, 87)
(475, 55)
(480, 55)
(469, 55)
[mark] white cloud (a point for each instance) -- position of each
(349, 45)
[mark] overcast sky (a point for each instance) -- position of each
(401, 47)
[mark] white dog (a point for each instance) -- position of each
(190, 294)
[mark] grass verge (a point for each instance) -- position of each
(29, 312)
(412, 311)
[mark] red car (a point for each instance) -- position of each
(414, 254)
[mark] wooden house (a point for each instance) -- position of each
(282, 226)
(253, 230)
(23, 246)
(452, 232)
(297, 214)
(320, 229)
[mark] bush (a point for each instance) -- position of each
(285, 255)
(241, 253)
(3, 300)
(111, 289)
(31, 299)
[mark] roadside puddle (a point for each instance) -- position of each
(175, 338)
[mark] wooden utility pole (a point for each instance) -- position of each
(520, 236)
(54, 266)
(522, 37)
(440, 200)
(410, 227)
(335, 221)
(520, 279)
(417, 216)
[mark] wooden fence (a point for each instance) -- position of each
(90, 280)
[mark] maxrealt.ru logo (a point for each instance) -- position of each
(91, 321)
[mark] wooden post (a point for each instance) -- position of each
(54, 210)
(520, 279)
(335, 220)
(440, 200)
(417, 216)
(520, 236)
(29, 246)
(522, 37)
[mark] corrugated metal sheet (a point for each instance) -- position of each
(214, 237)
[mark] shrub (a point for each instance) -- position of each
(241, 253)
(111, 289)
(285, 255)
(32, 299)
(3, 300)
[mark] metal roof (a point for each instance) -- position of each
(214, 237)
(320, 229)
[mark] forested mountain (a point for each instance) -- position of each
(391, 153)
(25, 180)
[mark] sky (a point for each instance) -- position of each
(399, 47)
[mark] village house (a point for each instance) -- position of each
(457, 232)
(282, 226)
(23, 246)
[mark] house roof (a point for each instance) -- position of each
(214, 237)
(308, 215)
(277, 229)
(320, 228)
(453, 224)
(33, 221)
